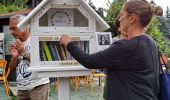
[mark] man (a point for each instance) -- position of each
(29, 88)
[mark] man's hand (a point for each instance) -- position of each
(14, 54)
(65, 39)
(19, 47)
(13, 51)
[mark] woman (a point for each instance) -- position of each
(132, 64)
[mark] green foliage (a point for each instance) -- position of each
(168, 46)
(155, 33)
(164, 26)
(11, 8)
(18, 3)
(114, 10)
(7, 6)
(112, 13)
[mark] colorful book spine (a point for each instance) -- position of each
(42, 52)
(63, 52)
(52, 51)
(59, 51)
(56, 50)
(47, 52)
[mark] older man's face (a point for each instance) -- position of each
(14, 29)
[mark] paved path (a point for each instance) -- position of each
(75, 95)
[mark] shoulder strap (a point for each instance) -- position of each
(160, 57)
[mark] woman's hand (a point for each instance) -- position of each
(64, 40)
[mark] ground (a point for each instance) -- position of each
(75, 95)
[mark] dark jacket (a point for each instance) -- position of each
(132, 68)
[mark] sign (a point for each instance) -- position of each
(103, 40)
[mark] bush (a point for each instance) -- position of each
(7, 9)
(168, 46)
(7, 6)
(154, 31)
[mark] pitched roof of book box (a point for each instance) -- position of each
(101, 25)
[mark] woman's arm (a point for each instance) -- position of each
(113, 58)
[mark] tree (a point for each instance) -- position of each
(112, 13)
(152, 2)
(164, 26)
(167, 12)
(100, 10)
(154, 31)
(35, 3)
(92, 5)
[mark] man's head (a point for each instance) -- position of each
(15, 31)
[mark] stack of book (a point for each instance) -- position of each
(54, 51)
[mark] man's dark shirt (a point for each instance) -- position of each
(132, 65)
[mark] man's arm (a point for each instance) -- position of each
(21, 50)
(14, 54)
(13, 62)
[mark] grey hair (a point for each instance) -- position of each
(19, 18)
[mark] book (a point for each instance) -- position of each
(59, 51)
(47, 52)
(56, 50)
(63, 52)
(52, 51)
(40, 50)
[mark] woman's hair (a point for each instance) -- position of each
(143, 9)
(117, 25)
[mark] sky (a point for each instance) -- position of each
(102, 3)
